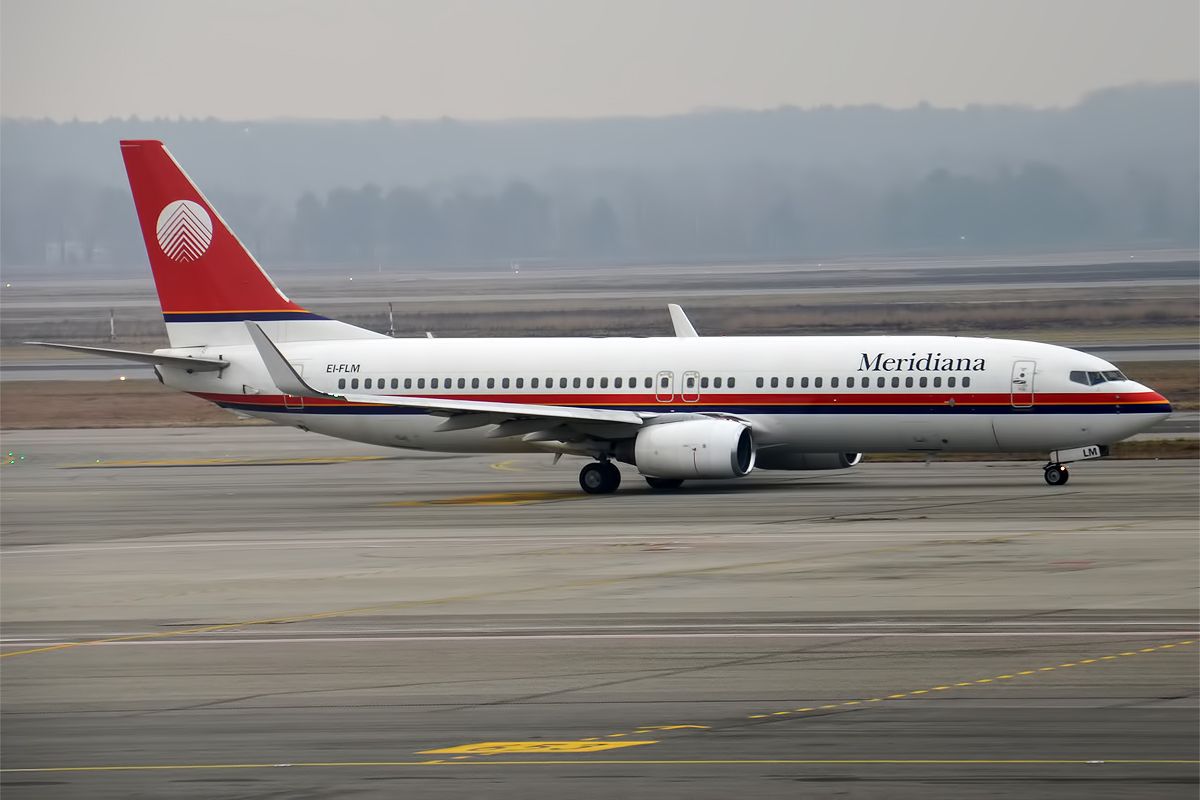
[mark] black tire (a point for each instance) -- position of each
(600, 477)
(663, 483)
(1057, 475)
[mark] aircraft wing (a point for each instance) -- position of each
(289, 382)
(183, 362)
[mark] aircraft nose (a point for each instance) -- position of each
(1151, 397)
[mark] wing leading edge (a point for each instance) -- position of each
(290, 383)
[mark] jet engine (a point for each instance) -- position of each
(787, 458)
(698, 448)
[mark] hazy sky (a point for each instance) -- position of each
(572, 58)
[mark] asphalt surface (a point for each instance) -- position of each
(264, 613)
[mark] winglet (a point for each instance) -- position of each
(281, 372)
(683, 326)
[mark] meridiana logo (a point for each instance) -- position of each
(184, 230)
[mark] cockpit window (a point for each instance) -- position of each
(1093, 378)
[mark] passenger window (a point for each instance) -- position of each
(937, 382)
(408, 383)
(817, 382)
(691, 382)
(367, 383)
(804, 383)
(562, 383)
(395, 383)
(433, 383)
(533, 383)
(474, 383)
(790, 382)
(591, 383)
(341, 383)
(881, 382)
(576, 383)
(491, 383)
(665, 382)
(833, 382)
(728, 383)
(895, 383)
(717, 383)
(420, 383)
(703, 383)
(504, 383)
(354, 383)
(849, 383)
(649, 383)
(774, 383)
(520, 383)
(908, 382)
(549, 383)
(758, 382)
(924, 381)
(966, 382)
(604, 383)
(951, 381)
(462, 383)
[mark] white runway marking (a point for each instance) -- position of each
(348, 639)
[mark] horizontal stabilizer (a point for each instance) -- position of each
(192, 363)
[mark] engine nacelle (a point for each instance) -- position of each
(699, 448)
(786, 458)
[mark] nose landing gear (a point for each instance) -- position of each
(1057, 474)
(600, 477)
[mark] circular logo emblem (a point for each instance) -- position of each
(184, 230)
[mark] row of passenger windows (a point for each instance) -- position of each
(664, 382)
(865, 382)
(520, 383)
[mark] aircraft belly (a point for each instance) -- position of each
(832, 433)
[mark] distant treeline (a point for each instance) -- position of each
(1119, 169)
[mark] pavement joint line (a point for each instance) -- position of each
(611, 761)
(448, 599)
(978, 681)
(588, 583)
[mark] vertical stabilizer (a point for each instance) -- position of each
(208, 282)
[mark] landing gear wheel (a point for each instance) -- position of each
(1057, 475)
(663, 483)
(600, 477)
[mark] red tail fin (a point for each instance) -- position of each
(203, 273)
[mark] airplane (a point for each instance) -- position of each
(679, 408)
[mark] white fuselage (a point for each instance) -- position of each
(816, 394)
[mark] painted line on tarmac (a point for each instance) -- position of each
(493, 499)
(344, 639)
(934, 691)
(822, 710)
(219, 462)
(816, 762)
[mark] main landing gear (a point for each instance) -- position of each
(1057, 474)
(600, 477)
